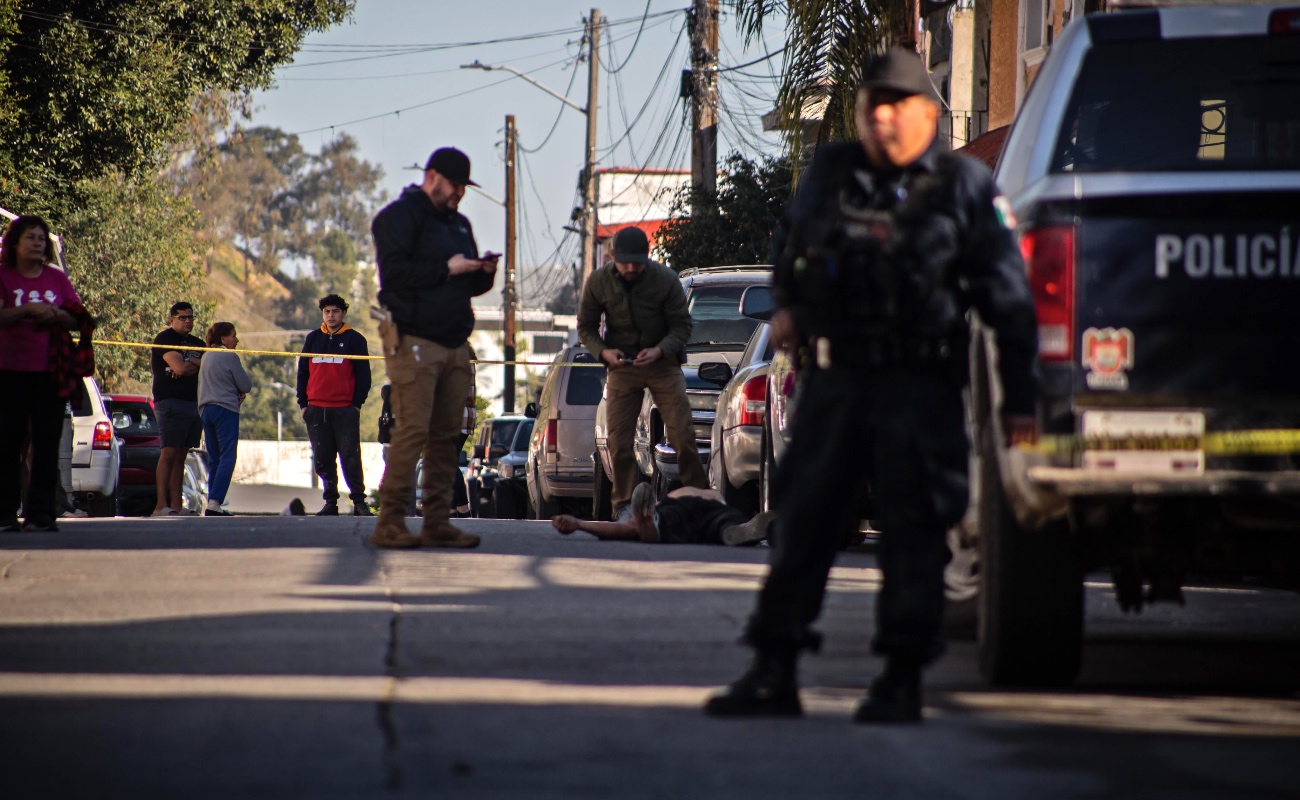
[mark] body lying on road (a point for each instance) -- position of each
(686, 516)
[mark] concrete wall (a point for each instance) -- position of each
(289, 464)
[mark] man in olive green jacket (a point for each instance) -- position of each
(646, 328)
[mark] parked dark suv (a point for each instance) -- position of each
(1155, 172)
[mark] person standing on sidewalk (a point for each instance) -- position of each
(32, 295)
(647, 325)
(429, 268)
(331, 391)
(176, 404)
(223, 384)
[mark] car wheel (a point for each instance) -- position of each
(744, 498)
(1031, 589)
(601, 503)
(506, 502)
(541, 507)
(104, 506)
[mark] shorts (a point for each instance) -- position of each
(695, 520)
(179, 423)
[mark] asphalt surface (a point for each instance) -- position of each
(281, 657)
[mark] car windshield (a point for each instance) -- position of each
(503, 433)
(132, 418)
(521, 437)
(1183, 104)
(718, 323)
(586, 384)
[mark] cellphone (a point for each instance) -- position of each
(490, 256)
(626, 360)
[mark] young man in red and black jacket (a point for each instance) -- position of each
(331, 391)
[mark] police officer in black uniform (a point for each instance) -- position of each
(887, 243)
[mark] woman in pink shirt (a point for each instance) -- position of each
(32, 293)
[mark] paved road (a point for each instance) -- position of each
(280, 657)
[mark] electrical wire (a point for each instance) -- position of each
(644, 16)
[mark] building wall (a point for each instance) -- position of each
(1004, 61)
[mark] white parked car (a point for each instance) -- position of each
(95, 453)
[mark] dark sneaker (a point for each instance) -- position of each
(49, 526)
(751, 532)
(393, 536)
(328, 510)
(361, 510)
(448, 535)
(893, 697)
(11, 525)
(768, 689)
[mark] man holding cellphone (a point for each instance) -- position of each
(429, 268)
(646, 328)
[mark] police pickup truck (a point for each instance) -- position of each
(1154, 170)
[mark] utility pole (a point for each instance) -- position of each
(704, 95)
(508, 289)
(589, 163)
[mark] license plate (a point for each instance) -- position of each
(1147, 442)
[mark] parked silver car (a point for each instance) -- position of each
(559, 468)
(739, 429)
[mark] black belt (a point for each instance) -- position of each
(879, 352)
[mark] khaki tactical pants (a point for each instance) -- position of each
(430, 383)
(625, 387)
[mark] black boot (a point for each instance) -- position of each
(767, 689)
(895, 696)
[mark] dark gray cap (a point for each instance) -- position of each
(631, 246)
(898, 70)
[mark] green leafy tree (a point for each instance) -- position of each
(827, 44)
(131, 249)
(733, 225)
(102, 86)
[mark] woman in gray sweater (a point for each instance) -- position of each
(223, 383)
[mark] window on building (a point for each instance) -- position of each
(548, 344)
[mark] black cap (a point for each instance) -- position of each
(898, 70)
(451, 164)
(631, 246)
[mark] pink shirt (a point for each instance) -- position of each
(25, 347)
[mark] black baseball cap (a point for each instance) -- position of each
(898, 70)
(631, 246)
(451, 164)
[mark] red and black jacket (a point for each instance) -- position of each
(330, 382)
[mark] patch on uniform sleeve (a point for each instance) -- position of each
(1002, 207)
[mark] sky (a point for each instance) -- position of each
(405, 55)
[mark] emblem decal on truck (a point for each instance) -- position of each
(1107, 354)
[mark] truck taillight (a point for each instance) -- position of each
(103, 437)
(1049, 257)
(552, 435)
(754, 396)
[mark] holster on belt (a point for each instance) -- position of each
(389, 336)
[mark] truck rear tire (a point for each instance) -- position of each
(601, 489)
(1031, 590)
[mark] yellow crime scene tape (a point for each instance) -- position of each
(1263, 442)
(286, 354)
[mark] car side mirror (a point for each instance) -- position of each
(757, 303)
(718, 372)
(530, 411)
(478, 452)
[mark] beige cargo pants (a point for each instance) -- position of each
(625, 388)
(429, 385)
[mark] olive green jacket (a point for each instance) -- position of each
(650, 313)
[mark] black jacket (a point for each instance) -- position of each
(413, 243)
(946, 233)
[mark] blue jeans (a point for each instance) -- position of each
(221, 432)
